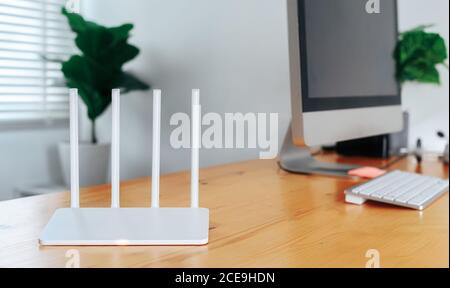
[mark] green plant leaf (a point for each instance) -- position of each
(121, 33)
(99, 67)
(418, 53)
(76, 22)
(81, 75)
(130, 82)
(423, 71)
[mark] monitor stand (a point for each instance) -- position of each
(296, 159)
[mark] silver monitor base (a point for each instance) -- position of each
(300, 160)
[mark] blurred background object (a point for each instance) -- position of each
(445, 155)
(235, 51)
(95, 72)
(419, 54)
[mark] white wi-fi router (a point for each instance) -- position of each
(77, 226)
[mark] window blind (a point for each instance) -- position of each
(34, 39)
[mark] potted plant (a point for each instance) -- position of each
(95, 72)
(418, 54)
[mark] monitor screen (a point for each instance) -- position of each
(347, 54)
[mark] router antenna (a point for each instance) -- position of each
(195, 147)
(156, 154)
(74, 151)
(115, 150)
(179, 226)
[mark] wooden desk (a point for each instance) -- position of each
(260, 217)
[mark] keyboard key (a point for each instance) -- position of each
(415, 192)
(375, 181)
(387, 190)
(415, 183)
(429, 194)
(380, 186)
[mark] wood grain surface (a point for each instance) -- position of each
(260, 216)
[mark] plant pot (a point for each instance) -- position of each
(94, 163)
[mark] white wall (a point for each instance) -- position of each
(236, 52)
(428, 104)
(29, 157)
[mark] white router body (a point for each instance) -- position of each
(127, 226)
(130, 226)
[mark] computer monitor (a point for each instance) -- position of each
(342, 73)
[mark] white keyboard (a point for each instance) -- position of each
(399, 188)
